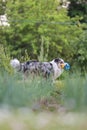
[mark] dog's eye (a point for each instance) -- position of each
(61, 62)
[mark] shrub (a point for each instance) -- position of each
(4, 60)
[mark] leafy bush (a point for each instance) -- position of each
(4, 60)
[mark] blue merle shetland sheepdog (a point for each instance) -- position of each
(45, 69)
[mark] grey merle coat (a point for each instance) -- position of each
(45, 69)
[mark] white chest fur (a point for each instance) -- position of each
(57, 70)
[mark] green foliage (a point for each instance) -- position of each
(78, 8)
(43, 56)
(4, 60)
(74, 92)
(79, 54)
(14, 91)
(44, 31)
(82, 51)
(25, 57)
(31, 20)
(70, 92)
(2, 7)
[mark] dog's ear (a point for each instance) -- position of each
(57, 60)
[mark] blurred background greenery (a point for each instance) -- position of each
(43, 30)
(48, 26)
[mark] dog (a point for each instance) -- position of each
(53, 68)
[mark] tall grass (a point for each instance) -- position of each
(71, 93)
(16, 92)
(74, 94)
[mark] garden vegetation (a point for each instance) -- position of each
(44, 30)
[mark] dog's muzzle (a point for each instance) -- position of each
(65, 66)
(62, 65)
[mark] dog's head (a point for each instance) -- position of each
(60, 63)
(58, 66)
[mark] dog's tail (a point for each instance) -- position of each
(15, 63)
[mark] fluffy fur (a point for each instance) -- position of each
(45, 69)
